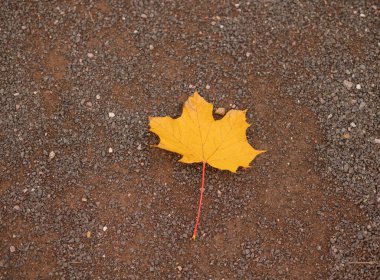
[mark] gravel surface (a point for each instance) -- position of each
(83, 195)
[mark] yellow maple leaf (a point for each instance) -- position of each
(198, 137)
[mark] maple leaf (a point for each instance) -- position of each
(198, 137)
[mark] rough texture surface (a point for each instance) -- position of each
(84, 196)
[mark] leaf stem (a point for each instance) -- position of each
(200, 201)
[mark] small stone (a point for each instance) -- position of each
(348, 84)
(219, 193)
(139, 147)
(23, 27)
(179, 268)
(88, 234)
(144, 16)
(346, 136)
(362, 105)
(352, 124)
(110, 150)
(16, 207)
(105, 228)
(207, 86)
(111, 114)
(376, 141)
(220, 111)
(51, 155)
(84, 199)
(12, 249)
(151, 269)
(151, 47)
(97, 96)
(90, 55)
(362, 15)
(358, 86)
(88, 104)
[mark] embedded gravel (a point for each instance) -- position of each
(84, 195)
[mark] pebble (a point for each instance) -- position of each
(90, 55)
(144, 16)
(88, 234)
(346, 136)
(220, 111)
(358, 86)
(348, 84)
(16, 207)
(179, 268)
(97, 96)
(51, 155)
(84, 199)
(362, 105)
(105, 228)
(111, 114)
(110, 150)
(207, 86)
(376, 141)
(139, 147)
(12, 249)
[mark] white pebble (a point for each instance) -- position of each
(105, 228)
(90, 55)
(84, 199)
(151, 47)
(110, 150)
(51, 154)
(97, 96)
(348, 84)
(358, 86)
(376, 141)
(111, 114)
(12, 249)
(139, 147)
(207, 86)
(144, 16)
